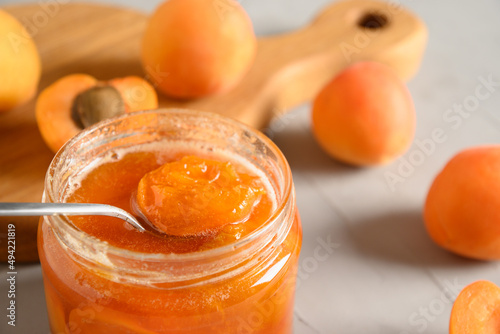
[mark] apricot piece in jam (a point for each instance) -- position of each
(195, 196)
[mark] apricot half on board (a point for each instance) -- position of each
(77, 101)
(476, 309)
(462, 209)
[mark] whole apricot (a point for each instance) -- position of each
(461, 211)
(77, 101)
(476, 309)
(364, 116)
(20, 66)
(194, 48)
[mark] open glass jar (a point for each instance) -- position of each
(94, 286)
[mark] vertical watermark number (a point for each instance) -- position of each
(11, 274)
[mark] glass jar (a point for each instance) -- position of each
(244, 287)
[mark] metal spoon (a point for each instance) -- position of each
(69, 209)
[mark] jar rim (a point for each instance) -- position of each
(273, 220)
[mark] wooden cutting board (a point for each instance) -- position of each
(105, 41)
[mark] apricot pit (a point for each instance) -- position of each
(96, 104)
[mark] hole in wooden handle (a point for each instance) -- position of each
(373, 20)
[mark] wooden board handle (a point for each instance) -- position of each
(291, 69)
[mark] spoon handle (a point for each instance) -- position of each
(69, 209)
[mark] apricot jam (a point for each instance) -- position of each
(199, 197)
(233, 272)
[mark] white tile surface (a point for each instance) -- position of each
(383, 274)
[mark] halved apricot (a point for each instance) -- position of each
(364, 116)
(195, 196)
(79, 100)
(476, 310)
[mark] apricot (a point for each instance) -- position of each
(476, 309)
(195, 48)
(20, 65)
(195, 196)
(77, 101)
(56, 316)
(364, 116)
(461, 212)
